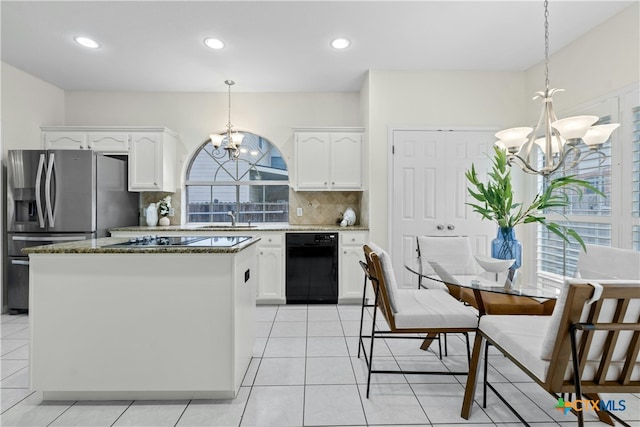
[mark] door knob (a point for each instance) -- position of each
(451, 227)
(440, 227)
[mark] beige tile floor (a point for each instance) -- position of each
(304, 373)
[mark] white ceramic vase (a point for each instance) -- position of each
(151, 215)
(164, 221)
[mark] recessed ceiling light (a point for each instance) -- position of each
(214, 43)
(87, 42)
(340, 43)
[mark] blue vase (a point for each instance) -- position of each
(506, 246)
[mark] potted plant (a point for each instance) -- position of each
(495, 202)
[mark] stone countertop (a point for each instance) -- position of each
(242, 228)
(97, 246)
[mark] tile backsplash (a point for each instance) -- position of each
(318, 207)
(154, 197)
(322, 207)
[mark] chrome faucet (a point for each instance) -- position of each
(233, 218)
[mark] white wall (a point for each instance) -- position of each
(597, 64)
(27, 103)
(195, 115)
(432, 98)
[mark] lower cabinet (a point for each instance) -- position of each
(270, 287)
(351, 275)
(271, 269)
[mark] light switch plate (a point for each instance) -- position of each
(299, 211)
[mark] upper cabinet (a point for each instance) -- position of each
(63, 140)
(152, 161)
(151, 150)
(328, 160)
(106, 140)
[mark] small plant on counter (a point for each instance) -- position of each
(164, 206)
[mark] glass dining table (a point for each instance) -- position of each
(492, 294)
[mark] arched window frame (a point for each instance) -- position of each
(240, 182)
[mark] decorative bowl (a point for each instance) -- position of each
(494, 265)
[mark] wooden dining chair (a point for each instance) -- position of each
(408, 312)
(589, 345)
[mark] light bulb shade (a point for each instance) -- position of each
(216, 139)
(237, 138)
(500, 145)
(597, 135)
(514, 137)
(574, 127)
(542, 143)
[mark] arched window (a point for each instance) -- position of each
(255, 186)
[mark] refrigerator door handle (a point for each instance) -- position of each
(19, 262)
(47, 193)
(38, 188)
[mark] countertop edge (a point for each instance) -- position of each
(257, 228)
(96, 246)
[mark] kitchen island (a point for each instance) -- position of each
(116, 322)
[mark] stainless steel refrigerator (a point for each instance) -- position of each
(57, 196)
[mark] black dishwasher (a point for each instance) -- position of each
(312, 268)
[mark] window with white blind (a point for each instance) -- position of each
(608, 220)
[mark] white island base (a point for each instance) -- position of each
(141, 326)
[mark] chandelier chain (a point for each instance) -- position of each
(229, 83)
(546, 44)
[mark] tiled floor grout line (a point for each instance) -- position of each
(62, 413)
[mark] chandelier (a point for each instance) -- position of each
(232, 139)
(558, 140)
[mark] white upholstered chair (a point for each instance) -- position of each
(605, 262)
(408, 312)
(589, 345)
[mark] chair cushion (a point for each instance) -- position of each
(608, 310)
(432, 309)
(604, 262)
(389, 275)
(452, 252)
(522, 336)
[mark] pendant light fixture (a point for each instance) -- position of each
(232, 139)
(557, 140)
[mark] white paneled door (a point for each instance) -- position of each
(429, 191)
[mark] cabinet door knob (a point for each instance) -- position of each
(440, 227)
(345, 252)
(261, 253)
(88, 146)
(451, 227)
(269, 239)
(353, 239)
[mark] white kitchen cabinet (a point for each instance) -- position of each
(270, 289)
(109, 142)
(64, 140)
(152, 161)
(351, 274)
(328, 160)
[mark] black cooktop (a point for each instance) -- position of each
(184, 241)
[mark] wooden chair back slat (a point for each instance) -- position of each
(610, 342)
(630, 360)
(621, 296)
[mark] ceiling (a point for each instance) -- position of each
(279, 46)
